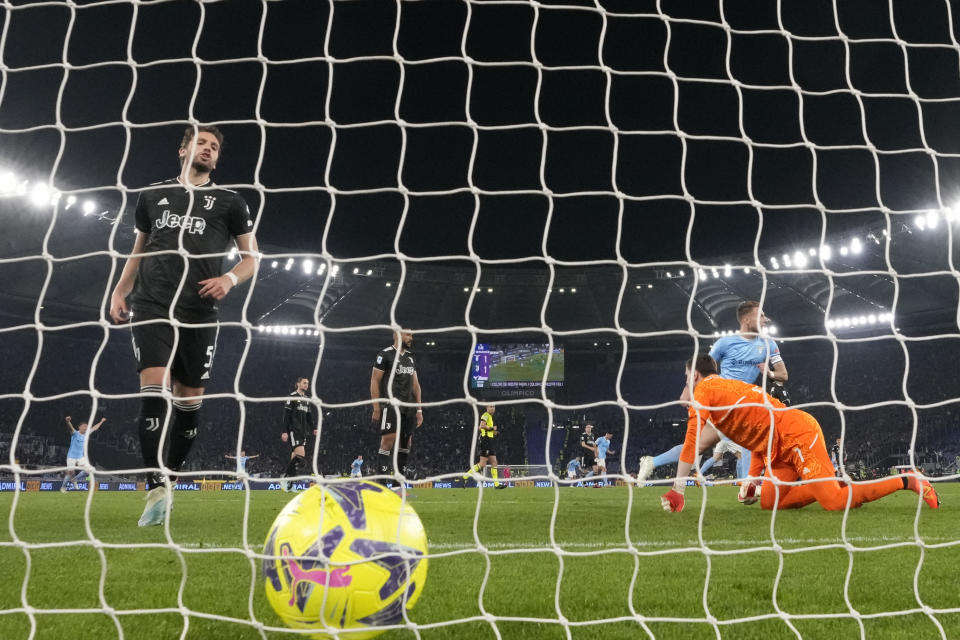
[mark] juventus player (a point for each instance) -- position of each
(191, 214)
(406, 388)
(298, 419)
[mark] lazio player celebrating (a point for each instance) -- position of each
(486, 448)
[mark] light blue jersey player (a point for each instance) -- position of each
(603, 448)
(356, 468)
(77, 454)
(241, 461)
(744, 357)
(573, 469)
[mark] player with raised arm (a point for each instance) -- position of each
(761, 423)
(299, 419)
(77, 454)
(356, 468)
(176, 220)
(486, 448)
(242, 460)
(396, 363)
(603, 448)
(744, 357)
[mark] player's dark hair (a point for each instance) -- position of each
(705, 365)
(745, 307)
(301, 378)
(189, 132)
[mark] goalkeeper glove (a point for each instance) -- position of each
(672, 501)
(749, 492)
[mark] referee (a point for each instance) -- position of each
(398, 359)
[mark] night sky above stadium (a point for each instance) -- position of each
(296, 142)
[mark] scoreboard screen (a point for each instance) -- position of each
(515, 365)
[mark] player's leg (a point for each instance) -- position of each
(494, 472)
(152, 348)
(297, 454)
(477, 468)
(192, 366)
(743, 463)
(388, 440)
(712, 460)
(69, 475)
(81, 472)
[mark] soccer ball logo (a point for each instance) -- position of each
(345, 556)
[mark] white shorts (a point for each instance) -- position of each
(355, 473)
(726, 446)
(602, 462)
(76, 462)
(571, 474)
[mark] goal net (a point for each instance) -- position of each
(563, 201)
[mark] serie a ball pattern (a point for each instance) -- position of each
(345, 556)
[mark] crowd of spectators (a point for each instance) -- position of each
(886, 400)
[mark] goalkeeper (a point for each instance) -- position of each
(744, 413)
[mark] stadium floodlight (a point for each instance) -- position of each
(703, 275)
(920, 222)
(40, 194)
(356, 270)
(812, 252)
(844, 251)
(933, 218)
(466, 289)
(727, 270)
(774, 263)
(489, 290)
(872, 318)
(856, 246)
(669, 275)
(716, 274)
(649, 286)
(316, 332)
(288, 265)
(300, 332)
(369, 272)
(573, 290)
(787, 262)
(826, 252)
(562, 290)
(89, 206)
(274, 264)
(799, 259)
(772, 329)
(335, 270)
(260, 328)
(387, 284)
(682, 273)
(746, 270)
(321, 268)
(829, 324)
(8, 182)
(307, 265)
(71, 200)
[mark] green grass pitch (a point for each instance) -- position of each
(587, 575)
(531, 371)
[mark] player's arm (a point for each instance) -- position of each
(128, 277)
(229, 457)
(287, 419)
(252, 457)
(217, 288)
(98, 425)
(375, 377)
(70, 425)
(700, 436)
(416, 398)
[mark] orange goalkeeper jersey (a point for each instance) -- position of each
(738, 410)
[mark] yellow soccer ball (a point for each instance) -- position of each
(345, 556)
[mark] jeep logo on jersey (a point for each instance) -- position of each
(208, 202)
(401, 370)
(191, 223)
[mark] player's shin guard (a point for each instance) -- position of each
(183, 432)
(384, 466)
(402, 455)
(474, 469)
(153, 409)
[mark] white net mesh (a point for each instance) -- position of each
(605, 181)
